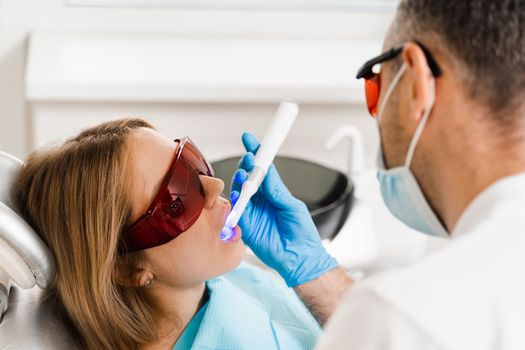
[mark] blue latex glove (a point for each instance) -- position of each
(278, 227)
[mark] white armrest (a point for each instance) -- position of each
(24, 241)
(15, 267)
(31, 322)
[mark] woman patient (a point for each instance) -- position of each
(133, 219)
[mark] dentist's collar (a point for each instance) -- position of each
(507, 189)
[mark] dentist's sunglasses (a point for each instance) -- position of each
(371, 73)
(177, 204)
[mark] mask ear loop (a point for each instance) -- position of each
(389, 91)
(422, 123)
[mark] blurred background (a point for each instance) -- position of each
(210, 70)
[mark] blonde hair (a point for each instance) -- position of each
(76, 196)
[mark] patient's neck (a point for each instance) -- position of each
(178, 305)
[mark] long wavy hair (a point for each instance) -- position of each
(76, 196)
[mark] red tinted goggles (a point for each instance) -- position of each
(177, 204)
(370, 72)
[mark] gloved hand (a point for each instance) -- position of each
(278, 227)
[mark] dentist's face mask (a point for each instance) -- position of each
(399, 188)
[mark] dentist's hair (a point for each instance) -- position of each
(77, 197)
(484, 39)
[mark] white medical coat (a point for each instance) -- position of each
(468, 295)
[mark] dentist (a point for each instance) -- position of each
(450, 109)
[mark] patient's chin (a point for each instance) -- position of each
(235, 255)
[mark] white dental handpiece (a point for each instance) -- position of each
(272, 140)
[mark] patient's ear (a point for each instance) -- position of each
(131, 277)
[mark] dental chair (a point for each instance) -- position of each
(27, 320)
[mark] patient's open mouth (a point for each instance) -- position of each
(237, 234)
(228, 234)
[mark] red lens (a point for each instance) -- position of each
(372, 87)
(192, 155)
(177, 205)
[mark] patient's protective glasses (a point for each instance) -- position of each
(177, 204)
(371, 73)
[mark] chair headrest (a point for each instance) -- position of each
(33, 322)
(9, 166)
(19, 237)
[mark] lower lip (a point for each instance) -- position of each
(236, 235)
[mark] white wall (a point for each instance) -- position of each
(20, 17)
(17, 18)
(55, 17)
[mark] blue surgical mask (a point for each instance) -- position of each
(399, 188)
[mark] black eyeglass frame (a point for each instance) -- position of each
(366, 70)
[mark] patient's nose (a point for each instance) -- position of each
(213, 187)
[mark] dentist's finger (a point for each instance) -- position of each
(250, 142)
(247, 162)
(239, 177)
(234, 196)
